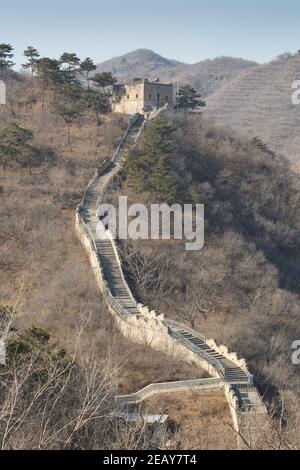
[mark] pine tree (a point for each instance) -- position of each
(138, 169)
(15, 145)
(188, 98)
(87, 66)
(157, 138)
(163, 181)
(69, 114)
(148, 166)
(104, 79)
(72, 62)
(48, 70)
(99, 103)
(5, 156)
(6, 53)
(32, 55)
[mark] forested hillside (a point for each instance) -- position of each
(59, 334)
(242, 288)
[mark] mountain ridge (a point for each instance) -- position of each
(206, 76)
(258, 102)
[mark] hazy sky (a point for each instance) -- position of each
(186, 30)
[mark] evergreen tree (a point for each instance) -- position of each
(188, 98)
(137, 168)
(162, 180)
(48, 70)
(99, 103)
(15, 145)
(6, 155)
(148, 165)
(32, 55)
(157, 138)
(87, 66)
(71, 63)
(69, 114)
(6, 54)
(104, 79)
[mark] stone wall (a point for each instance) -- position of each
(147, 328)
(132, 102)
(170, 387)
(232, 356)
(144, 96)
(233, 403)
(2, 92)
(153, 90)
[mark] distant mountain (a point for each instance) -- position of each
(209, 75)
(253, 99)
(258, 103)
(140, 63)
(206, 76)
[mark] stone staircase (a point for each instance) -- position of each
(236, 376)
(229, 371)
(105, 248)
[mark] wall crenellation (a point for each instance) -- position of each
(149, 327)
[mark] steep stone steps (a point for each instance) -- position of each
(230, 371)
(112, 272)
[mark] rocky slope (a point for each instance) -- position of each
(258, 103)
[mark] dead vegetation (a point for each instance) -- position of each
(203, 419)
(54, 398)
(245, 280)
(41, 256)
(258, 102)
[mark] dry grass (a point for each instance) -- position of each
(39, 249)
(41, 255)
(203, 417)
(242, 287)
(143, 366)
(258, 103)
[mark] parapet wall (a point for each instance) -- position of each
(170, 387)
(233, 403)
(149, 327)
(232, 356)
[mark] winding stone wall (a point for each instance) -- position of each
(150, 328)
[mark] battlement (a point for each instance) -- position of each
(2, 92)
(142, 96)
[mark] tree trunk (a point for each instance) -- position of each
(12, 111)
(43, 93)
(69, 137)
(97, 121)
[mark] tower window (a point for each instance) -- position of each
(136, 96)
(167, 98)
(128, 97)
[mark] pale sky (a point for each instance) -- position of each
(189, 30)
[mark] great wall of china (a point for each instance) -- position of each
(140, 325)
